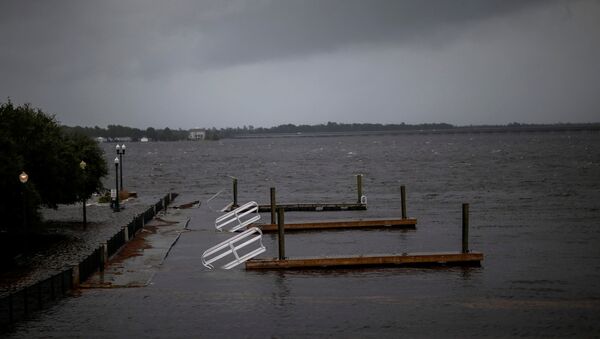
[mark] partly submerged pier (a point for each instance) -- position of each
(408, 223)
(245, 217)
(440, 259)
(391, 222)
(359, 205)
(400, 260)
(316, 207)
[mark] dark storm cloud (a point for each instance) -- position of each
(71, 39)
(232, 62)
(296, 28)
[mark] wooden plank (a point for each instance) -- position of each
(343, 224)
(315, 207)
(400, 260)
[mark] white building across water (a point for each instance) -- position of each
(197, 134)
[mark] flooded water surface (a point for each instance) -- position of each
(535, 214)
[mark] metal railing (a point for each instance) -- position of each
(222, 209)
(90, 265)
(115, 243)
(239, 217)
(234, 247)
(19, 304)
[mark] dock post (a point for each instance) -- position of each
(235, 193)
(75, 276)
(465, 228)
(103, 256)
(403, 200)
(359, 187)
(281, 236)
(10, 308)
(273, 204)
(25, 301)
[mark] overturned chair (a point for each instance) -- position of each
(238, 218)
(233, 251)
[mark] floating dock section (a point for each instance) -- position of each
(359, 205)
(316, 207)
(408, 223)
(404, 222)
(400, 260)
(437, 259)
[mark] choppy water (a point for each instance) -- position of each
(535, 213)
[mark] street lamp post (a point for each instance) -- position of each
(117, 209)
(23, 177)
(82, 165)
(120, 153)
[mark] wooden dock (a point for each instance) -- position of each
(316, 207)
(408, 223)
(359, 205)
(437, 259)
(400, 260)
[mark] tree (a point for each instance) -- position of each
(81, 148)
(33, 142)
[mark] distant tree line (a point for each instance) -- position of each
(167, 134)
(333, 127)
(328, 127)
(118, 131)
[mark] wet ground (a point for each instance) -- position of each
(535, 213)
(140, 258)
(64, 241)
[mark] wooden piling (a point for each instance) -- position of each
(75, 276)
(10, 308)
(39, 296)
(52, 288)
(25, 301)
(281, 233)
(63, 288)
(465, 228)
(359, 187)
(273, 204)
(235, 193)
(103, 256)
(403, 200)
(84, 215)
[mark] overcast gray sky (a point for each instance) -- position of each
(184, 64)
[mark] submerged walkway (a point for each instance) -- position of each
(74, 241)
(139, 259)
(184, 299)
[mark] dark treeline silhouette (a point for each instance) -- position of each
(117, 131)
(330, 127)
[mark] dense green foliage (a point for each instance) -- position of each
(33, 142)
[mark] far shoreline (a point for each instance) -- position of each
(452, 130)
